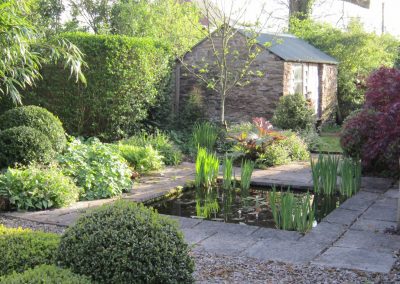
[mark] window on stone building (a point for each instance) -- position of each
(298, 78)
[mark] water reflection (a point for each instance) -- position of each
(234, 206)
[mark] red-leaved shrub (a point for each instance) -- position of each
(373, 133)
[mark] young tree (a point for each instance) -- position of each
(23, 49)
(229, 64)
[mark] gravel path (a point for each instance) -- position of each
(227, 269)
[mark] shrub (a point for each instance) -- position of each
(296, 147)
(49, 274)
(37, 189)
(22, 249)
(273, 155)
(355, 131)
(39, 119)
(171, 155)
(117, 97)
(374, 132)
(24, 145)
(97, 168)
(293, 112)
(143, 159)
(126, 243)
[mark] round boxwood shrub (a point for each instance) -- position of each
(126, 243)
(293, 112)
(35, 188)
(49, 274)
(23, 248)
(24, 145)
(38, 118)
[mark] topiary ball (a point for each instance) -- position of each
(24, 145)
(38, 118)
(126, 243)
(23, 248)
(49, 274)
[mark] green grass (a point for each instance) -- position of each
(329, 143)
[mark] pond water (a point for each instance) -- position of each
(230, 207)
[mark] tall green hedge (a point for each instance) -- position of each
(125, 77)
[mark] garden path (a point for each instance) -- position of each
(352, 236)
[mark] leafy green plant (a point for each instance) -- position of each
(275, 154)
(247, 168)
(23, 248)
(228, 173)
(38, 118)
(205, 135)
(325, 172)
(49, 274)
(143, 159)
(125, 242)
(171, 155)
(207, 167)
(350, 174)
(24, 145)
(290, 212)
(293, 112)
(35, 188)
(96, 167)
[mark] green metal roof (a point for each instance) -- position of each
(290, 48)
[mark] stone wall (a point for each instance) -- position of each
(328, 86)
(258, 98)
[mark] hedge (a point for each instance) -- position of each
(124, 76)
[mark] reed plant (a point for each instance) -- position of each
(227, 183)
(350, 173)
(205, 135)
(290, 212)
(247, 168)
(324, 173)
(207, 166)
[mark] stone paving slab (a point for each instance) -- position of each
(325, 233)
(342, 216)
(392, 193)
(381, 212)
(363, 224)
(226, 244)
(227, 228)
(369, 240)
(194, 236)
(375, 184)
(286, 251)
(355, 258)
(274, 234)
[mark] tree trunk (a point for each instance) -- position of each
(222, 109)
(300, 9)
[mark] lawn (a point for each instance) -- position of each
(330, 140)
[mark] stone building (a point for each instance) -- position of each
(288, 65)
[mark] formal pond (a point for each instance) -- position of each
(231, 206)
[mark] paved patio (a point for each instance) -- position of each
(352, 236)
